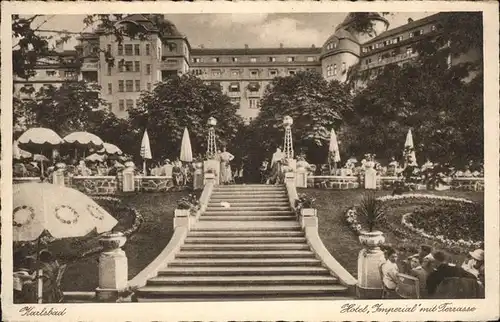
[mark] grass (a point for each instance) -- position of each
(340, 241)
(142, 248)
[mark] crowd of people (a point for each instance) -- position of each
(437, 276)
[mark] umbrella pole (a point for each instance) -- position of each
(76, 154)
(144, 167)
(39, 274)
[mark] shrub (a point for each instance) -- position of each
(372, 209)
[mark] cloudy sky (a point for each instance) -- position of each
(236, 30)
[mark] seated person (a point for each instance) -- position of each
(475, 264)
(443, 270)
(389, 271)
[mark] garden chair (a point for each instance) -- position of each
(408, 287)
(385, 290)
(58, 281)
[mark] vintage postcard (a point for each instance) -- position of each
(250, 161)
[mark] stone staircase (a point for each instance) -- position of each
(255, 249)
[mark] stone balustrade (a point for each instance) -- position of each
(467, 184)
(333, 182)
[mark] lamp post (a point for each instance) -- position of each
(288, 144)
(211, 144)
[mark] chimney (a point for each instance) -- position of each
(281, 45)
(313, 46)
(410, 20)
(246, 46)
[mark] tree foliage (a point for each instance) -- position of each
(181, 102)
(315, 105)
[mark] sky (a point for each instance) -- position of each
(237, 30)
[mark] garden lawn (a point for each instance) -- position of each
(340, 241)
(143, 246)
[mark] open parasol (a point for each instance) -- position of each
(110, 149)
(18, 153)
(84, 140)
(186, 151)
(95, 157)
(37, 139)
(60, 212)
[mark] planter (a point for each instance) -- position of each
(112, 241)
(371, 239)
(182, 212)
(308, 212)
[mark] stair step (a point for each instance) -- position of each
(247, 225)
(254, 290)
(255, 203)
(234, 194)
(237, 208)
(243, 262)
(245, 234)
(243, 240)
(270, 189)
(252, 247)
(246, 254)
(242, 281)
(244, 271)
(246, 218)
(249, 212)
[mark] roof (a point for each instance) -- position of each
(256, 51)
(342, 34)
(144, 20)
(408, 26)
(352, 16)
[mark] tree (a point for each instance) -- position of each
(184, 101)
(64, 109)
(315, 105)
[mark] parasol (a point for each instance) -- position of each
(333, 149)
(110, 149)
(38, 138)
(84, 140)
(145, 151)
(19, 154)
(95, 158)
(409, 144)
(186, 151)
(60, 212)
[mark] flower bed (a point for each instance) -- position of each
(431, 221)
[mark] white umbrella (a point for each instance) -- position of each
(110, 149)
(42, 208)
(334, 146)
(36, 139)
(186, 151)
(84, 140)
(18, 153)
(409, 144)
(95, 158)
(145, 150)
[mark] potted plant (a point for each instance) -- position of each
(304, 205)
(183, 207)
(372, 210)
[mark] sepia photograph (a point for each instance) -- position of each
(247, 157)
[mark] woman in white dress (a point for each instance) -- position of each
(225, 167)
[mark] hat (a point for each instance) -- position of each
(478, 254)
(429, 257)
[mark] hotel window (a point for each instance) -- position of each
(393, 53)
(291, 72)
(395, 40)
(121, 105)
(253, 87)
(290, 59)
(216, 72)
(411, 34)
(137, 50)
(136, 102)
(273, 73)
(129, 85)
(110, 68)
(137, 66)
(400, 38)
(196, 60)
(130, 104)
(121, 86)
(370, 47)
(50, 73)
(128, 66)
(69, 74)
(148, 86)
(310, 58)
(129, 50)
(234, 87)
(254, 73)
(253, 103)
(364, 49)
(379, 58)
(215, 59)
(110, 88)
(108, 48)
(120, 50)
(334, 69)
(253, 59)
(110, 106)
(409, 50)
(329, 70)
(148, 69)
(235, 100)
(235, 72)
(137, 85)
(234, 59)
(272, 59)
(171, 61)
(344, 67)
(148, 50)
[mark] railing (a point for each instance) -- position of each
(389, 60)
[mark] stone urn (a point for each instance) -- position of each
(112, 241)
(369, 260)
(113, 267)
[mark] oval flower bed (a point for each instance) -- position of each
(455, 223)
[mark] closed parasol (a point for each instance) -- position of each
(110, 149)
(409, 147)
(59, 212)
(145, 151)
(186, 151)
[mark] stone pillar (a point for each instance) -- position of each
(289, 177)
(214, 166)
(198, 176)
(181, 218)
(113, 268)
(128, 180)
(308, 217)
(301, 180)
(58, 177)
(369, 260)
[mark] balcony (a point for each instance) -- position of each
(389, 60)
(234, 94)
(167, 64)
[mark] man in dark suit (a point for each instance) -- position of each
(442, 271)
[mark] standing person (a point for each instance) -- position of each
(389, 271)
(225, 167)
(475, 265)
(276, 165)
(52, 272)
(422, 272)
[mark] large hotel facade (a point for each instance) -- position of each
(243, 73)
